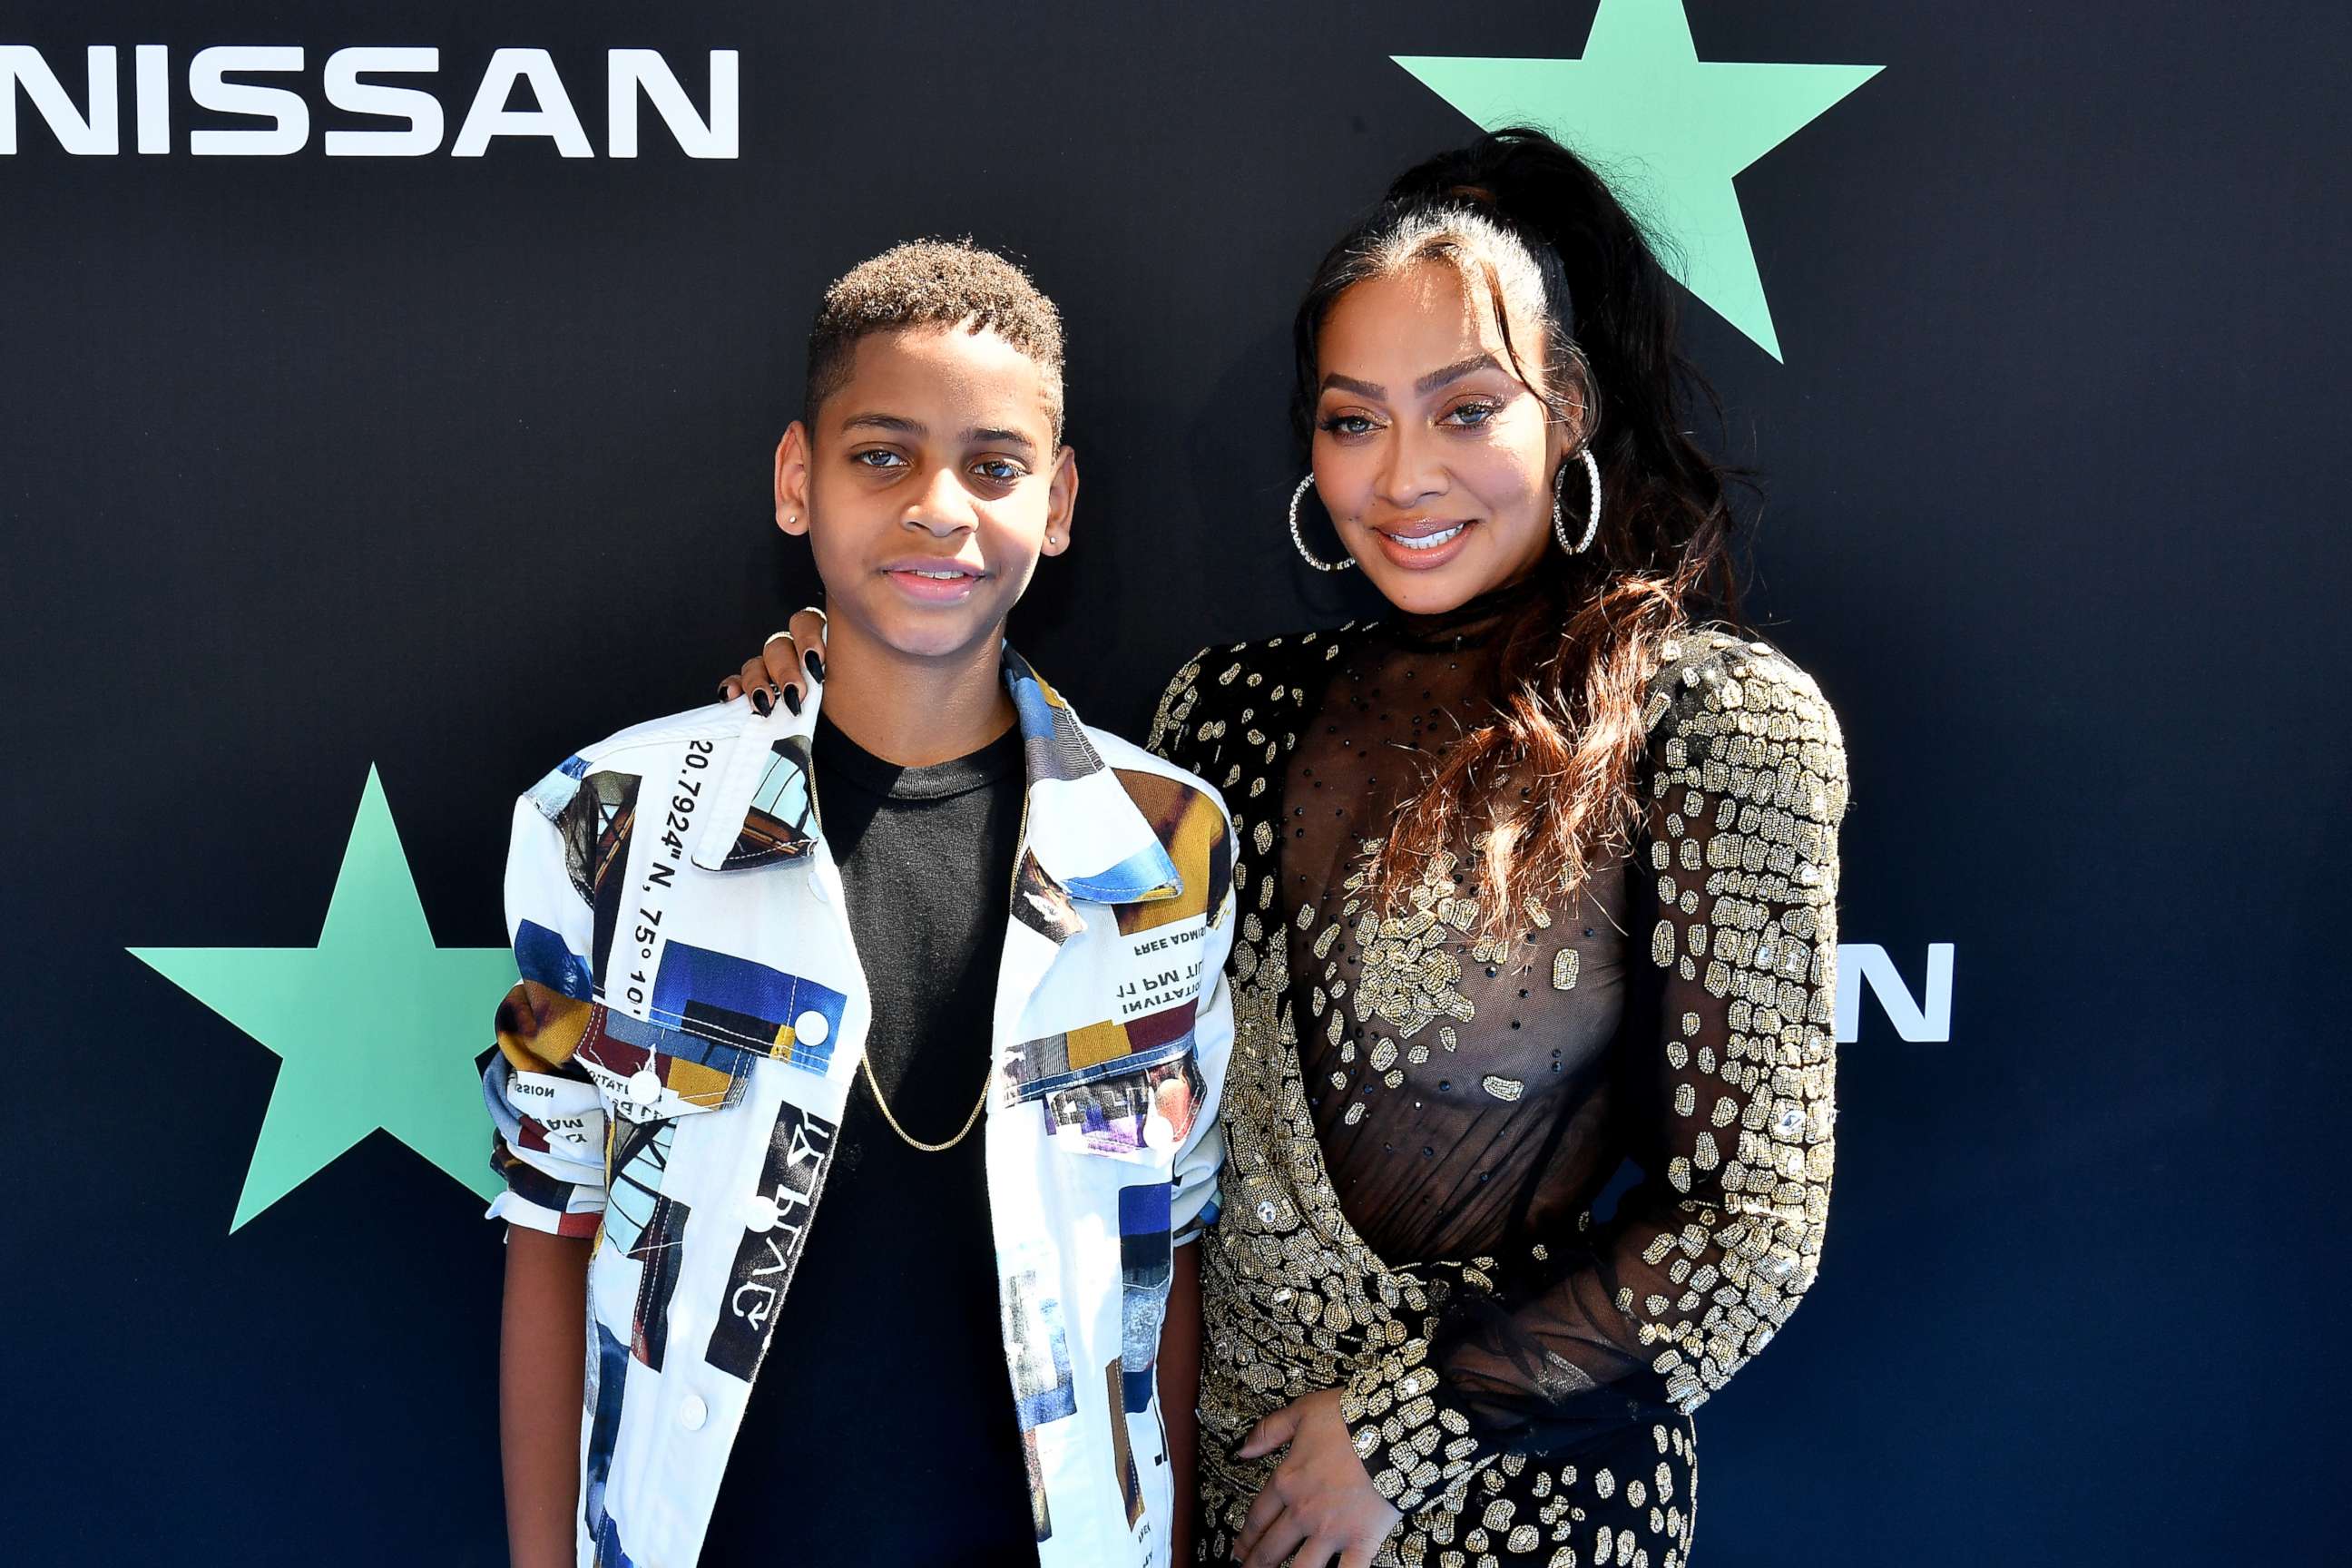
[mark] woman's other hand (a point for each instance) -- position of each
(1319, 1503)
(786, 670)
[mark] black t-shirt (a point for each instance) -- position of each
(881, 1428)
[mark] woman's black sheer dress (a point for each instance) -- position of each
(1527, 1201)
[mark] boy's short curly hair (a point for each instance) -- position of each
(926, 283)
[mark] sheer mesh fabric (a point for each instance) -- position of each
(1475, 1099)
(1525, 1203)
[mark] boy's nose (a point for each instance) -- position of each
(943, 509)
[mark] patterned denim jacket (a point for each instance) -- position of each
(675, 1058)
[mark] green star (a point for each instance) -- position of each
(1664, 123)
(377, 1026)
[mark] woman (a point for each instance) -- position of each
(1528, 1120)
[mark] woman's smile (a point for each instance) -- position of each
(1423, 544)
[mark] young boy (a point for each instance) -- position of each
(939, 962)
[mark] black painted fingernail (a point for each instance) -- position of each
(792, 702)
(815, 662)
(761, 704)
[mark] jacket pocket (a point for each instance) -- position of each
(1139, 1107)
(650, 1073)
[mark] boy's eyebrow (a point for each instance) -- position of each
(899, 424)
(1427, 384)
(997, 437)
(895, 422)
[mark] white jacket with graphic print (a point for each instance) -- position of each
(688, 1022)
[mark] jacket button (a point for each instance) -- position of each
(761, 1213)
(810, 1027)
(692, 1413)
(645, 1087)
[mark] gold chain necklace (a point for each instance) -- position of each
(866, 1063)
(865, 1059)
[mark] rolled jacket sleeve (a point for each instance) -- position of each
(550, 1129)
(1201, 1158)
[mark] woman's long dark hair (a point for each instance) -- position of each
(1575, 661)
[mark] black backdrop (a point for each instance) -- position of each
(447, 466)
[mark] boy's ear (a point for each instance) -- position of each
(1061, 501)
(792, 457)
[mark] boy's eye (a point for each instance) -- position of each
(877, 457)
(1003, 470)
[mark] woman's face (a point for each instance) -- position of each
(1433, 456)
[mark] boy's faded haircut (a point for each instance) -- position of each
(933, 283)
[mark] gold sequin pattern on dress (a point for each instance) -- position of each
(1747, 785)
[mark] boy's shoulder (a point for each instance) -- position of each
(1185, 815)
(711, 721)
(1149, 777)
(639, 747)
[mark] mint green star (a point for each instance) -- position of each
(376, 1025)
(1664, 125)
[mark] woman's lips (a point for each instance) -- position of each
(1421, 548)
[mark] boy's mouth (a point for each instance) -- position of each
(933, 582)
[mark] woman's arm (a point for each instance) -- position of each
(542, 1351)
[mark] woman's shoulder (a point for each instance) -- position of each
(1728, 709)
(1717, 669)
(1224, 680)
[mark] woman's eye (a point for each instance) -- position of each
(877, 458)
(1346, 424)
(1473, 414)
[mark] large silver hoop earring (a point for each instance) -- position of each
(1591, 514)
(1299, 540)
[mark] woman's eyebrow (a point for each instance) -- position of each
(1455, 371)
(1426, 384)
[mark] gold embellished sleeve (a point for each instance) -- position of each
(1169, 730)
(1726, 1073)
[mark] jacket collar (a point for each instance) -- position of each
(1083, 831)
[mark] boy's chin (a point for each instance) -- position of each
(940, 633)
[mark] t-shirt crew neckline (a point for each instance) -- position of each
(844, 761)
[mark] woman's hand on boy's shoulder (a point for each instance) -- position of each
(784, 670)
